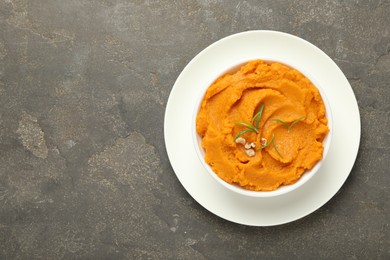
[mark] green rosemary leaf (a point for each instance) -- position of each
(248, 126)
(243, 132)
(288, 127)
(276, 149)
(268, 143)
(283, 123)
(256, 119)
(294, 122)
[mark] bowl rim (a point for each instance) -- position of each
(284, 189)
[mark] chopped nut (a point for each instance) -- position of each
(248, 146)
(253, 145)
(241, 140)
(250, 152)
(263, 141)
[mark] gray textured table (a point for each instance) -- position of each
(84, 172)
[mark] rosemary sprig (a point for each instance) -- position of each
(257, 117)
(272, 141)
(251, 127)
(276, 149)
(268, 143)
(254, 127)
(283, 123)
(288, 127)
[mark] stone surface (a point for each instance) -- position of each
(84, 172)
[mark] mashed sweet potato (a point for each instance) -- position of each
(286, 96)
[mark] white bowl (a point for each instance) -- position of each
(197, 139)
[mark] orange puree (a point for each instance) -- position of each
(287, 95)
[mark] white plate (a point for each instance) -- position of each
(217, 58)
